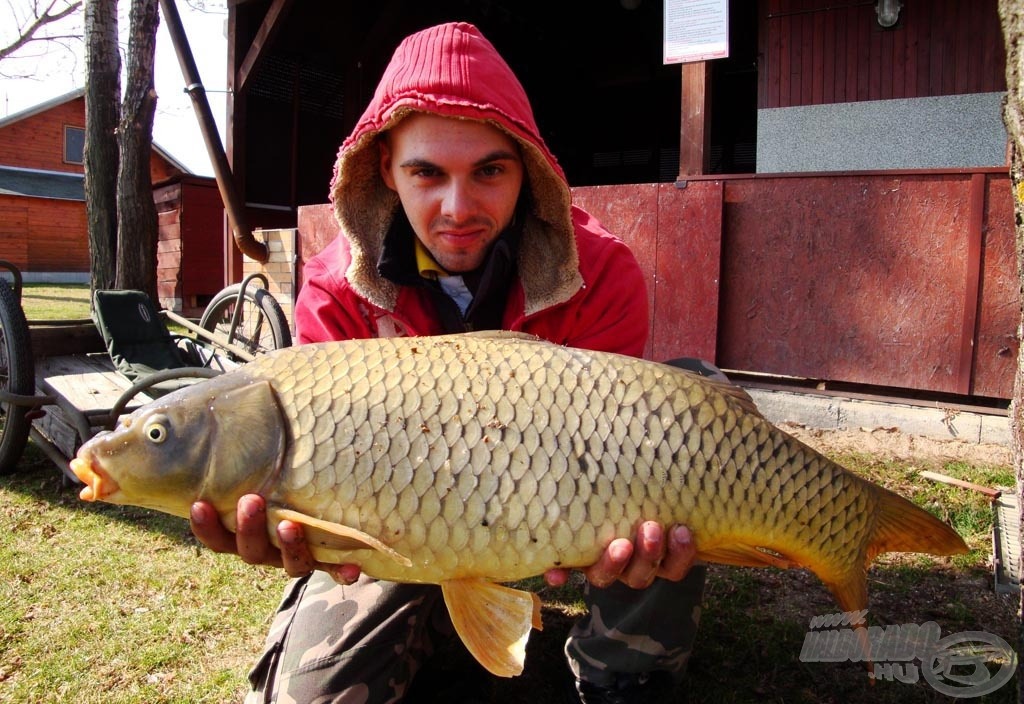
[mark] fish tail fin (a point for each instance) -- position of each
(902, 526)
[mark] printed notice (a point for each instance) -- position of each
(696, 30)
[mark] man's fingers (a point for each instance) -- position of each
(556, 577)
(251, 532)
(681, 555)
(343, 574)
(295, 555)
(648, 553)
(611, 564)
(207, 528)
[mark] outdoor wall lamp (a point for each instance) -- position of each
(888, 12)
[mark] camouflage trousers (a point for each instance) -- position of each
(364, 643)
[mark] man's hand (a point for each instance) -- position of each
(251, 541)
(637, 563)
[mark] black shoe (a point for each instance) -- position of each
(642, 688)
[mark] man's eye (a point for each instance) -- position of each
(425, 173)
(491, 170)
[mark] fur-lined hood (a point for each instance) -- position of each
(452, 70)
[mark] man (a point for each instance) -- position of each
(455, 216)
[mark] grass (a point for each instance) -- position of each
(55, 302)
(111, 604)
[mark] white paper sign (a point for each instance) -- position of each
(696, 30)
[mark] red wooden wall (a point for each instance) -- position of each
(897, 279)
(904, 280)
(814, 52)
(43, 234)
(37, 142)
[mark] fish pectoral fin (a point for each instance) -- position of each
(743, 555)
(334, 536)
(494, 622)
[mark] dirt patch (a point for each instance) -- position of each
(888, 443)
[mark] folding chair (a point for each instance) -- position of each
(138, 341)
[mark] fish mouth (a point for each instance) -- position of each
(98, 484)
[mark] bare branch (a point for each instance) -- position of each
(48, 16)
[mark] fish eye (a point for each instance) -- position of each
(156, 432)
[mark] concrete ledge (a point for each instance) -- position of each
(841, 413)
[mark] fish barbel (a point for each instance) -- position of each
(469, 460)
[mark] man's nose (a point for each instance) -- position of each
(459, 201)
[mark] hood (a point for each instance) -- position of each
(452, 70)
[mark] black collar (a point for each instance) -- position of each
(489, 283)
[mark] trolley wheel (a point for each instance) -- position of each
(16, 377)
(261, 325)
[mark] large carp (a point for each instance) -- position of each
(469, 460)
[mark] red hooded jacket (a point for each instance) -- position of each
(576, 284)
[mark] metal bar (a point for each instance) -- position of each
(25, 399)
(209, 336)
(233, 202)
(53, 453)
(151, 380)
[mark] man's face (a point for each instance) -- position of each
(458, 181)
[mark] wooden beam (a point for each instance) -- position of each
(972, 279)
(695, 120)
(272, 22)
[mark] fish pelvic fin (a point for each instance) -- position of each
(901, 526)
(494, 622)
(333, 536)
(851, 594)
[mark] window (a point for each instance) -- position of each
(74, 144)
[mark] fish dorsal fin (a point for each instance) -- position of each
(736, 394)
(494, 622)
(713, 377)
(745, 556)
(326, 536)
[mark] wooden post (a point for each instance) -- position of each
(695, 120)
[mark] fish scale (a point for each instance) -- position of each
(471, 459)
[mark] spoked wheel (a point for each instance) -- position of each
(16, 377)
(259, 326)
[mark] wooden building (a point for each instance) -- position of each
(43, 227)
(42, 200)
(830, 205)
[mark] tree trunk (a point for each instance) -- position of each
(1011, 15)
(102, 92)
(136, 212)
